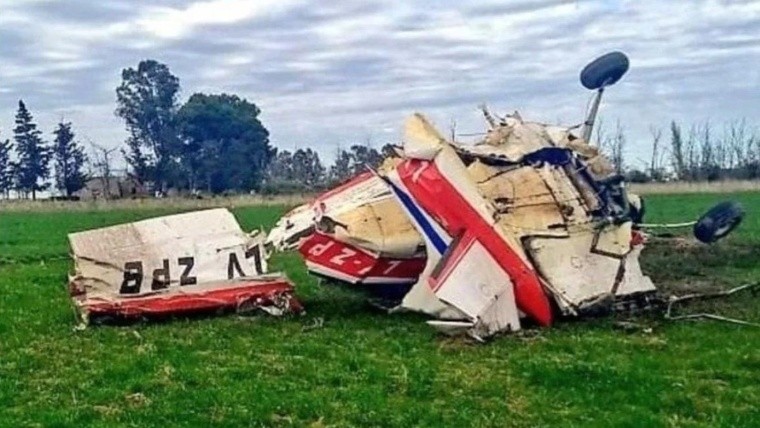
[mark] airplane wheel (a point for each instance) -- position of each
(719, 221)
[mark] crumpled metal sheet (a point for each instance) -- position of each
(180, 263)
(359, 212)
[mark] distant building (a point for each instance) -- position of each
(112, 188)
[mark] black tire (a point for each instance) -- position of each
(719, 221)
(604, 71)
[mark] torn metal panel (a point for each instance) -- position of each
(361, 212)
(171, 264)
(445, 179)
(271, 293)
(511, 141)
(363, 189)
(524, 200)
(634, 281)
(422, 298)
(613, 240)
(576, 275)
(329, 257)
(290, 228)
(590, 267)
(470, 279)
(379, 226)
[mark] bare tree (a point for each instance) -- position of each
(654, 164)
(692, 153)
(101, 166)
(735, 135)
(617, 148)
(677, 151)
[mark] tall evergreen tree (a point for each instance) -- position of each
(69, 160)
(31, 169)
(6, 168)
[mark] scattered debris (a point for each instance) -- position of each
(703, 296)
(503, 228)
(632, 327)
(190, 262)
(315, 323)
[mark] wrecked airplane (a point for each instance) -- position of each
(530, 223)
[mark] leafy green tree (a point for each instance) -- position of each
(147, 101)
(224, 145)
(69, 159)
(388, 150)
(6, 168)
(354, 161)
(280, 166)
(342, 169)
(364, 157)
(308, 168)
(31, 169)
(301, 171)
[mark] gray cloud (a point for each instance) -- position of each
(326, 75)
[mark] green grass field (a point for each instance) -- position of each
(362, 367)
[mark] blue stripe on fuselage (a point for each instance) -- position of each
(438, 242)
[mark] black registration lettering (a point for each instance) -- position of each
(161, 277)
(133, 276)
(233, 266)
(185, 278)
(255, 252)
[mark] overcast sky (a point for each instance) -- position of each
(330, 74)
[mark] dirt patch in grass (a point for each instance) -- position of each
(682, 265)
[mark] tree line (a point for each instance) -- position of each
(699, 152)
(29, 170)
(215, 143)
(212, 143)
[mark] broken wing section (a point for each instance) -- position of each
(356, 233)
(179, 263)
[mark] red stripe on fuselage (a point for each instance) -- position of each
(442, 201)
